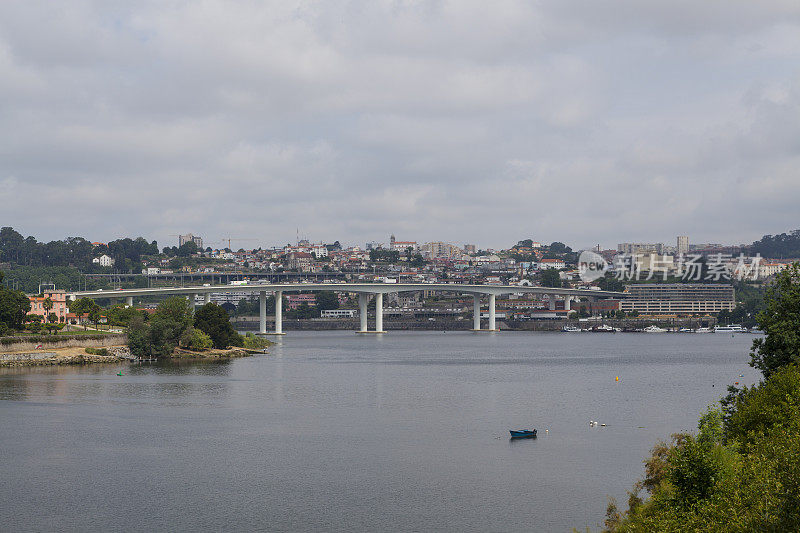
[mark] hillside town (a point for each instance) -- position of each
(663, 281)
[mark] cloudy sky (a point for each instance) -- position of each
(464, 121)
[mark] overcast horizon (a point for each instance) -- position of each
(465, 122)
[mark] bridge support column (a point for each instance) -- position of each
(207, 298)
(476, 312)
(262, 312)
(492, 324)
(552, 300)
(362, 312)
(192, 298)
(567, 300)
(129, 301)
(379, 313)
(278, 312)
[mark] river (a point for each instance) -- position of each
(334, 431)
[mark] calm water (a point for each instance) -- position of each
(338, 432)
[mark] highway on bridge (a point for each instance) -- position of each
(362, 289)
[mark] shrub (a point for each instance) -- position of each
(196, 340)
(96, 351)
(254, 342)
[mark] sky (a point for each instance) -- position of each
(478, 122)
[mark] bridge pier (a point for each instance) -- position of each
(492, 324)
(192, 298)
(567, 300)
(379, 313)
(278, 313)
(476, 312)
(552, 301)
(362, 312)
(207, 298)
(129, 301)
(262, 312)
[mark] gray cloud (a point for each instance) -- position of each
(463, 121)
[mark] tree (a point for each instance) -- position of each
(94, 314)
(214, 322)
(14, 307)
(780, 322)
(196, 340)
(188, 248)
(550, 278)
(80, 307)
(47, 305)
(327, 300)
(139, 338)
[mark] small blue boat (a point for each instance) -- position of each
(522, 433)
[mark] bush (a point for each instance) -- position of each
(195, 340)
(254, 342)
(96, 351)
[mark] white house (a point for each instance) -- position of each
(103, 261)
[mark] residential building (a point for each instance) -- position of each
(766, 270)
(104, 261)
(683, 245)
(558, 264)
(293, 301)
(436, 250)
(678, 298)
(59, 299)
(640, 248)
(470, 249)
(402, 246)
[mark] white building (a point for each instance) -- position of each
(338, 313)
(683, 245)
(104, 261)
(558, 264)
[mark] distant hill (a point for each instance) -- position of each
(783, 246)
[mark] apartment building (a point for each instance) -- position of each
(678, 298)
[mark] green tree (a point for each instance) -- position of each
(254, 342)
(214, 322)
(80, 307)
(780, 321)
(139, 338)
(327, 300)
(47, 304)
(550, 278)
(94, 315)
(195, 340)
(14, 307)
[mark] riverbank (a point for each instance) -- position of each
(461, 324)
(64, 356)
(51, 343)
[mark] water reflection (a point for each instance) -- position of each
(176, 382)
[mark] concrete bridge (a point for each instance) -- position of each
(363, 290)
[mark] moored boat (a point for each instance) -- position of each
(571, 329)
(654, 329)
(522, 433)
(732, 328)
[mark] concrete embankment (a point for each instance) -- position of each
(63, 356)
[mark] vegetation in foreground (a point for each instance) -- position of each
(741, 471)
(173, 326)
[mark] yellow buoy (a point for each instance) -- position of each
(616, 378)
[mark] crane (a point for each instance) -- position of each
(231, 239)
